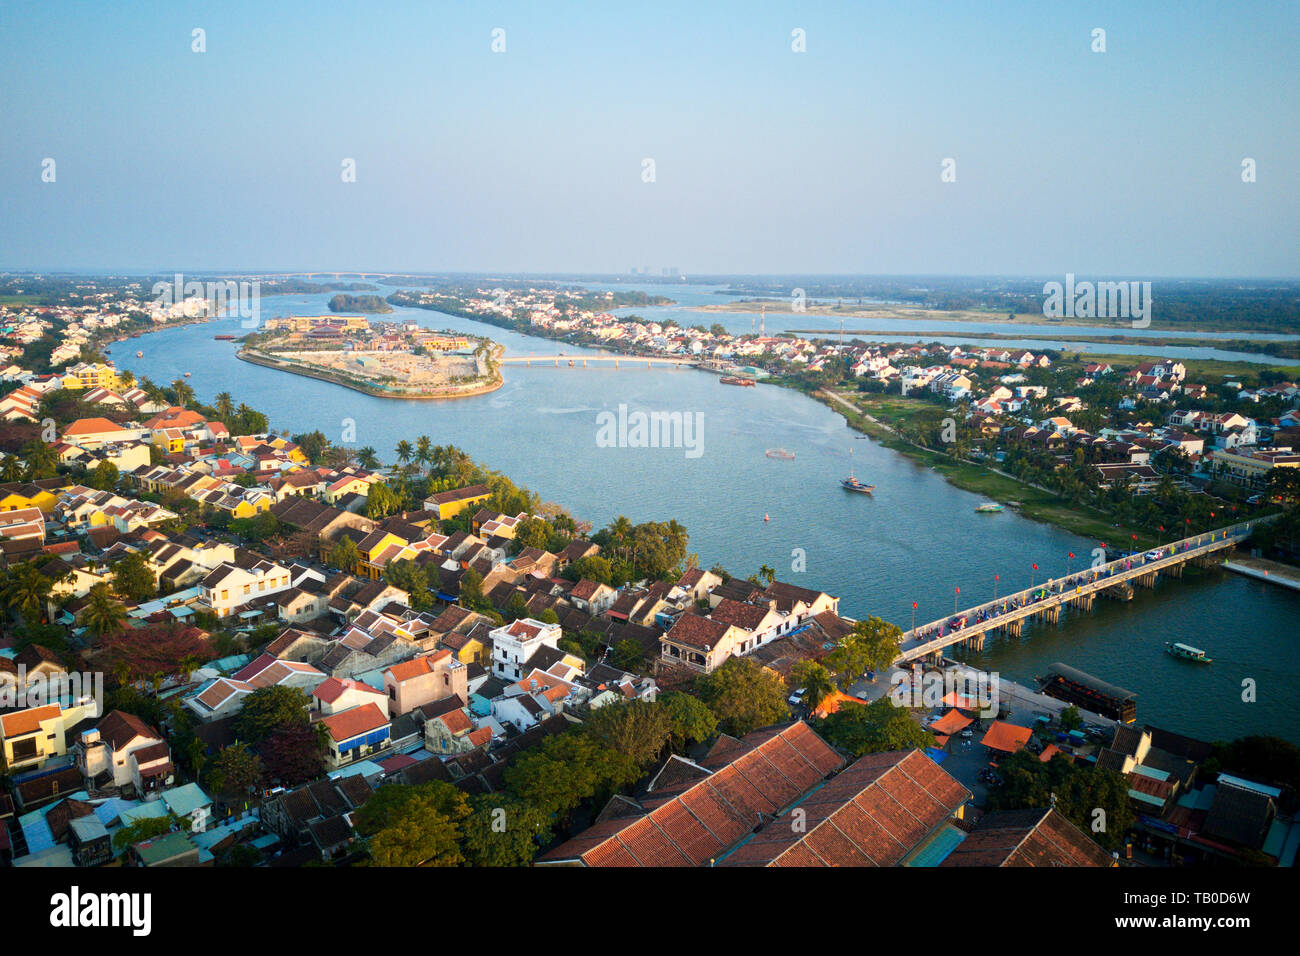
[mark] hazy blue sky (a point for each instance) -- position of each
(1127, 162)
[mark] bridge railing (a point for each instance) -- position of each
(937, 630)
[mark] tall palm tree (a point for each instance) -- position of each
(367, 458)
(224, 404)
(423, 450)
(103, 614)
(25, 590)
(183, 392)
(404, 452)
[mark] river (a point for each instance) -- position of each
(917, 539)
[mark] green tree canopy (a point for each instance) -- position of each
(744, 696)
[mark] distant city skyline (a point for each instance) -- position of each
(740, 138)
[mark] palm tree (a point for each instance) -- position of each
(767, 573)
(423, 450)
(224, 404)
(26, 590)
(183, 392)
(103, 613)
(404, 452)
(367, 458)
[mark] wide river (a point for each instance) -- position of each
(916, 539)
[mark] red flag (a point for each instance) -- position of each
(1135, 537)
(913, 605)
(959, 590)
(1071, 554)
(995, 577)
(1035, 567)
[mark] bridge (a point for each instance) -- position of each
(1114, 579)
(606, 361)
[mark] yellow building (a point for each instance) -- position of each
(86, 375)
(448, 504)
(376, 549)
(44, 495)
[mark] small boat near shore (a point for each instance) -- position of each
(780, 453)
(139, 355)
(224, 338)
(988, 508)
(735, 380)
(1187, 652)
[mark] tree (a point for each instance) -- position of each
(133, 579)
(294, 753)
(1077, 790)
(381, 501)
(471, 591)
(690, 720)
(224, 405)
(183, 392)
(627, 655)
(26, 588)
(104, 477)
(515, 608)
(145, 828)
(873, 728)
(154, 652)
(593, 568)
(744, 696)
(343, 554)
(235, 772)
(636, 728)
(871, 645)
(815, 679)
(1070, 718)
(367, 458)
(268, 709)
(767, 573)
(103, 613)
(414, 825)
(503, 831)
(312, 444)
(404, 452)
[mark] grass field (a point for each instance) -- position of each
(1034, 502)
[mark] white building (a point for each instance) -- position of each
(515, 643)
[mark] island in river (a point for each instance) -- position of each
(359, 303)
(385, 360)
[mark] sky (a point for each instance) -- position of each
(1126, 162)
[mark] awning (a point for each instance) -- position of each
(950, 723)
(1005, 737)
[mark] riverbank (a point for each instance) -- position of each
(1031, 501)
(1274, 572)
(1276, 349)
(494, 381)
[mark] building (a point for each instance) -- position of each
(448, 504)
(514, 644)
(426, 680)
(228, 586)
(355, 734)
(123, 751)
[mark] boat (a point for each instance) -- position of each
(187, 374)
(734, 380)
(780, 453)
(1187, 652)
(139, 355)
(988, 508)
(767, 517)
(851, 483)
(224, 338)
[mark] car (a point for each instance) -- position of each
(967, 734)
(1154, 555)
(797, 696)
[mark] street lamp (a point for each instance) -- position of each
(995, 587)
(955, 593)
(914, 619)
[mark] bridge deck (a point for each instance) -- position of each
(1055, 592)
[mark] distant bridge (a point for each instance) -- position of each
(1114, 579)
(582, 361)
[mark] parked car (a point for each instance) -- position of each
(798, 695)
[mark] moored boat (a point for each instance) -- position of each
(1187, 652)
(988, 508)
(780, 453)
(735, 380)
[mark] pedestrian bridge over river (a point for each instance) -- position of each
(1115, 579)
(599, 361)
